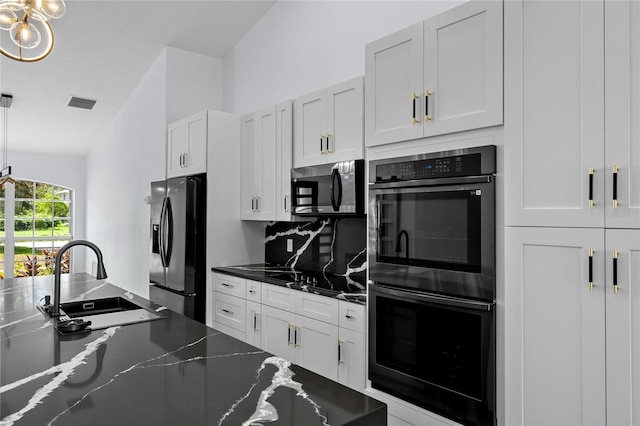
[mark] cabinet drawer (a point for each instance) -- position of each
(353, 316)
(230, 285)
(230, 311)
(278, 297)
(317, 307)
(254, 291)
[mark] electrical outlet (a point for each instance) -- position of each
(289, 245)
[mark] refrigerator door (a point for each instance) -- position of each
(156, 264)
(175, 235)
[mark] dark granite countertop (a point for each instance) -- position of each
(343, 287)
(171, 371)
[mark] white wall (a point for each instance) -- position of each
(302, 46)
(132, 153)
(194, 83)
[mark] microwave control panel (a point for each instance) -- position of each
(431, 168)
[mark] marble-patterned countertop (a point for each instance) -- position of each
(343, 287)
(171, 371)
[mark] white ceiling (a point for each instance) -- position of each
(102, 50)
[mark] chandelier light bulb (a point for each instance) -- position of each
(54, 9)
(7, 18)
(43, 10)
(14, 5)
(25, 34)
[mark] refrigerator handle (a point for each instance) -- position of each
(169, 231)
(161, 232)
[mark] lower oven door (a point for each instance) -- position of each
(434, 351)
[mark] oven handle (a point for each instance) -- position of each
(432, 182)
(434, 298)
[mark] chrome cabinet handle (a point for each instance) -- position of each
(615, 186)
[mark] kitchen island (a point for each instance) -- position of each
(170, 371)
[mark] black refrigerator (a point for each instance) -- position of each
(177, 262)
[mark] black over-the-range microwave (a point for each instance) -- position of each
(329, 189)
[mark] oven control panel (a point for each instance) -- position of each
(442, 167)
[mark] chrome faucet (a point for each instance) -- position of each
(54, 309)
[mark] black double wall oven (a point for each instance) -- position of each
(432, 274)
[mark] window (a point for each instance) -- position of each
(35, 221)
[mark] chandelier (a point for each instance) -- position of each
(26, 24)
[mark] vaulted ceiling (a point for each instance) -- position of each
(102, 50)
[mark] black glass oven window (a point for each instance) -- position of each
(430, 229)
(439, 345)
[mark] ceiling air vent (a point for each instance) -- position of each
(81, 103)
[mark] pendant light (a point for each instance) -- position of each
(5, 173)
(25, 23)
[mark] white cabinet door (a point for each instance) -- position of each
(284, 152)
(623, 327)
(622, 109)
(554, 108)
(345, 134)
(351, 359)
(555, 326)
(463, 68)
(316, 345)
(187, 146)
(310, 129)
(393, 86)
(258, 167)
(328, 124)
(278, 332)
(254, 324)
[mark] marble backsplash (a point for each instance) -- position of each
(330, 245)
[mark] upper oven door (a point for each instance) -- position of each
(438, 238)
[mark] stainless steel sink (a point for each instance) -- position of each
(107, 312)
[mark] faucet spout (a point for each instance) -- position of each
(101, 273)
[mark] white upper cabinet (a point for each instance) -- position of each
(393, 75)
(187, 146)
(284, 154)
(439, 76)
(622, 109)
(569, 114)
(258, 166)
(328, 124)
(554, 108)
(266, 164)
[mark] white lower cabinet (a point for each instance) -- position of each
(320, 333)
(572, 326)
